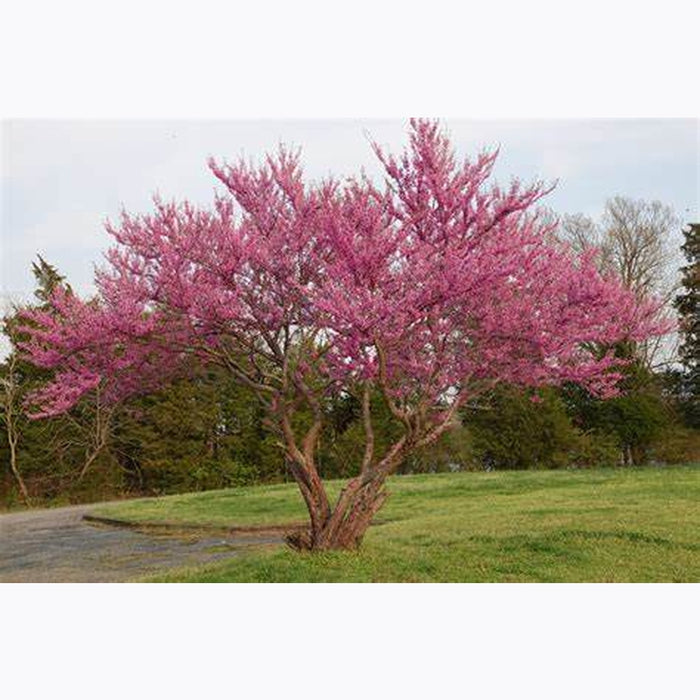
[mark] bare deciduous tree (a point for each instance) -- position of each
(93, 427)
(637, 242)
(634, 239)
(10, 412)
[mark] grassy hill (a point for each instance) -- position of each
(602, 525)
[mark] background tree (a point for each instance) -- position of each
(515, 432)
(202, 431)
(688, 305)
(636, 420)
(431, 290)
(11, 397)
(56, 451)
(17, 377)
(47, 279)
(633, 240)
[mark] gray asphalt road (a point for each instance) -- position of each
(56, 545)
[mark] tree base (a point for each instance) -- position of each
(307, 541)
(345, 528)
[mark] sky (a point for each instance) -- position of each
(62, 178)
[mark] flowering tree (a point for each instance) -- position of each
(99, 361)
(430, 289)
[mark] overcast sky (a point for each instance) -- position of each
(61, 179)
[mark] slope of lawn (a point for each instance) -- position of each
(598, 525)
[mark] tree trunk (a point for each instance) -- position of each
(98, 439)
(12, 439)
(627, 456)
(345, 526)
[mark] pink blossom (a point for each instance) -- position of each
(435, 286)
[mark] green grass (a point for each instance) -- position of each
(598, 525)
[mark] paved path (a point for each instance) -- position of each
(55, 544)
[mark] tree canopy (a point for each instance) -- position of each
(431, 289)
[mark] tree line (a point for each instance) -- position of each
(206, 430)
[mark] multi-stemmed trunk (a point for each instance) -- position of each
(341, 525)
(344, 525)
(98, 432)
(10, 403)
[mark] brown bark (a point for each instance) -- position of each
(99, 435)
(91, 457)
(12, 439)
(346, 525)
(10, 415)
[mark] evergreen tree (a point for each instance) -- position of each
(688, 306)
(200, 432)
(47, 280)
(636, 420)
(514, 432)
(40, 454)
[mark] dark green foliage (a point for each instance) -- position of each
(47, 279)
(343, 441)
(453, 452)
(514, 432)
(202, 432)
(636, 420)
(688, 306)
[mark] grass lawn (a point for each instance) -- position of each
(599, 525)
